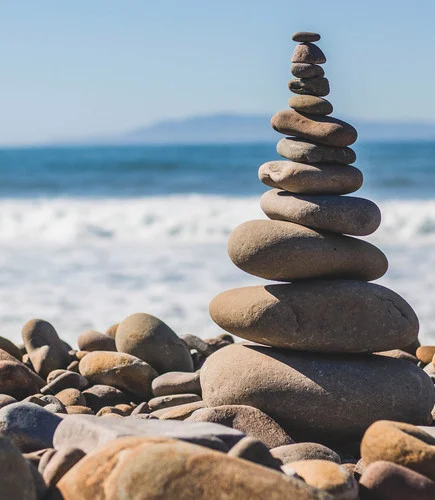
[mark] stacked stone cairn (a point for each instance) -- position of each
(139, 412)
(310, 363)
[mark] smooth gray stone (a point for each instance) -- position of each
(30, 427)
(88, 432)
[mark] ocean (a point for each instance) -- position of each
(89, 235)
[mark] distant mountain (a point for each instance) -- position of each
(232, 128)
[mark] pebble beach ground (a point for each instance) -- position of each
(330, 396)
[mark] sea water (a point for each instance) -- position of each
(89, 235)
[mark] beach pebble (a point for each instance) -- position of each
(6, 400)
(249, 420)
(91, 340)
(318, 86)
(303, 70)
(310, 104)
(304, 316)
(123, 371)
(304, 451)
(284, 251)
(16, 477)
(201, 346)
(386, 481)
(327, 476)
(151, 340)
(98, 396)
(110, 410)
(300, 150)
(15, 380)
(300, 178)
(255, 451)
(111, 331)
(176, 383)
(317, 128)
(60, 463)
(37, 380)
(88, 432)
(425, 353)
(141, 409)
(308, 53)
(289, 386)
(180, 412)
(30, 427)
(305, 36)
(338, 214)
(64, 379)
(79, 410)
(11, 348)
(46, 351)
(71, 397)
(180, 470)
(400, 443)
(399, 354)
(163, 402)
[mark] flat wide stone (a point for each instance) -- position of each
(324, 316)
(318, 86)
(303, 151)
(310, 104)
(284, 251)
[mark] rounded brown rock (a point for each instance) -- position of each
(180, 412)
(338, 214)
(400, 443)
(181, 470)
(302, 151)
(79, 410)
(16, 380)
(289, 386)
(151, 340)
(164, 402)
(11, 348)
(251, 421)
(71, 397)
(46, 350)
(425, 353)
(318, 86)
(91, 340)
(284, 251)
(303, 70)
(301, 178)
(327, 476)
(111, 331)
(176, 383)
(305, 36)
(120, 370)
(304, 316)
(385, 481)
(308, 53)
(316, 128)
(310, 104)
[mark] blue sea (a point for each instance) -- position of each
(89, 235)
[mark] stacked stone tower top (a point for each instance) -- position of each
(327, 307)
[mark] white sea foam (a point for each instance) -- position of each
(83, 263)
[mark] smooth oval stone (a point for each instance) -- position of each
(180, 412)
(305, 36)
(60, 463)
(163, 402)
(385, 481)
(308, 53)
(304, 451)
(324, 316)
(111, 331)
(120, 370)
(11, 348)
(255, 451)
(339, 214)
(318, 86)
(310, 104)
(425, 353)
(251, 421)
(327, 476)
(151, 340)
(302, 151)
(71, 397)
(303, 70)
(310, 179)
(46, 350)
(400, 443)
(321, 129)
(92, 340)
(16, 380)
(283, 251)
(318, 397)
(176, 383)
(98, 396)
(164, 468)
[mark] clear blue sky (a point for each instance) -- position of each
(91, 67)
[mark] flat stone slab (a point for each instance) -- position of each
(87, 432)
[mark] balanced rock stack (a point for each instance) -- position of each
(315, 373)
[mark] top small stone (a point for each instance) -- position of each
(305, 36)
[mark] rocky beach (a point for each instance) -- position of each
(316, 387)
